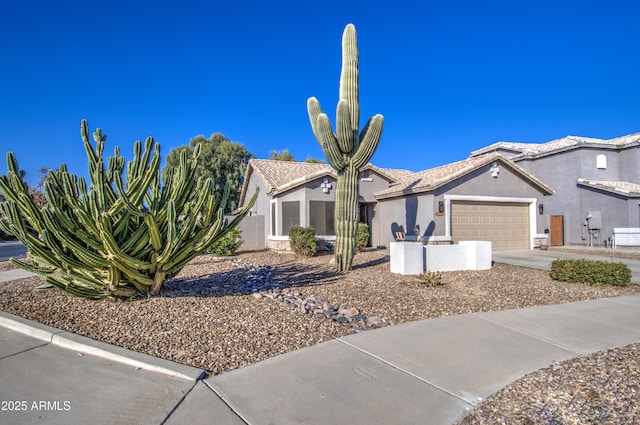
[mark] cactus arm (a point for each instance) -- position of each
(329, 143)
(68, 240)
(37, 269)
(123, 201)
(344, 129)
(75, 288)
(314, 110)
(154, 232)
(84, 133)
(370, 140)
(113, 250)
(171, 223)
(138, 240)
(12, 220)
(321, 127)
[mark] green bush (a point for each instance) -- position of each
(228, 244)
(431, 279)
(303, 241)
(591, 272)
(362, 237)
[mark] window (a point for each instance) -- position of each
(290, 216)
(321, 217)
(273, 218)
(601, 162)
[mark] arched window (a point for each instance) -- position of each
(601, 162)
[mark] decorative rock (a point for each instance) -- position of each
(349, 312)
(258, 283)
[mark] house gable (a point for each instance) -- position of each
(432, 179)
(299, 193)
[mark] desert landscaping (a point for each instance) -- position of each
(210, 316)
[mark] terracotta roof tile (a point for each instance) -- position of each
(433, 178)
(615, 186)
(279, 173)
(557, 145)
(280, 176)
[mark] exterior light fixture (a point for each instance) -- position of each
(494, 170)
(440, 206)
(541, 209)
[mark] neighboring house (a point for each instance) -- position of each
(303, 194)
(597, 184)
(486, 197)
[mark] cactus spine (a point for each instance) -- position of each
(347, 150)
(116, 238)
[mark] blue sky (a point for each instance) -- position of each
(449, 77)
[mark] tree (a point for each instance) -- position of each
(283, 155)
(37, 191)
(221, 159)
(313, 160)
(346, 150)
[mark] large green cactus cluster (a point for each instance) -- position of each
(346, 150)
(124, 235)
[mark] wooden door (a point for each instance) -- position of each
(557, 230)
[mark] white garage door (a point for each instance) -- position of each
(505, 224)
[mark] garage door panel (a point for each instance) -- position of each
(506, 225)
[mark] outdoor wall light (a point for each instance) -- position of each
(494, 170)
(440, 206)
(541, 209)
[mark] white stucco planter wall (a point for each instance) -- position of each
(467, 255)
(407, 257)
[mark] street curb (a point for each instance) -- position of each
(85, 345)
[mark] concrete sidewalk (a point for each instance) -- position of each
(425, 372)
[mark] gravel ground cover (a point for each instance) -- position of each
(206, 318)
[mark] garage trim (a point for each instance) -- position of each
(532, 210)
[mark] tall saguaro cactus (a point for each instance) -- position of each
(347, 150)
(117, 238)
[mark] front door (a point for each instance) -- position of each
(557, 230)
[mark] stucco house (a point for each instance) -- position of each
(597, 185)
(487, 197)
(303, 194)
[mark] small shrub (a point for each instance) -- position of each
(431, 278)
(228, 244)
(591, 272)
(303, 241)
(362, 237)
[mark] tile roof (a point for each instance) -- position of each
(629, 189)
(280, 176)
(277, 174)
(433, 178)
(565, 143)
(393, 174)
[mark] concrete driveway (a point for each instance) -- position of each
(538, 259)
